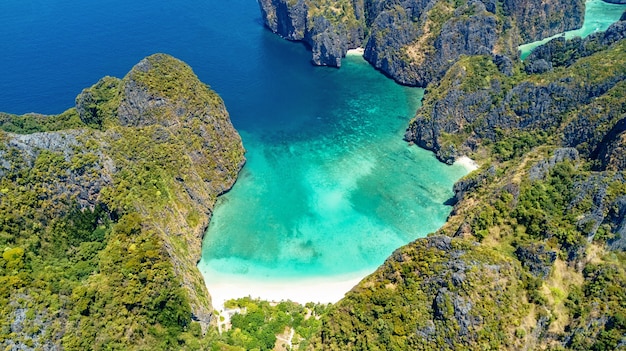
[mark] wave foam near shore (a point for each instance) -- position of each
(467, 162)
(355, 52)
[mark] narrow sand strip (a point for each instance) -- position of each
(355, 52)
(321, 290)
(467, 162)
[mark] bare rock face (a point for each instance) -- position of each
(328, 36)
(537, 19)
(416, 41)
(285, 18)
(160, 123)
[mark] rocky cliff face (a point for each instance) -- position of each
(328, 30)
(417, 44)
(537, 19)
(478, 102)
(545, 216)
(152, 154)
(416, 41)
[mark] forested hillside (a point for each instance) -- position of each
(102, 211)
(103, 207)
(532, 256)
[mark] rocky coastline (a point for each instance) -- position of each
(415, 42)
(150, 154)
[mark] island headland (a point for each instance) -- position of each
(532, 256)
(104, 208)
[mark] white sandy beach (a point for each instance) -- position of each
(356, 52)
(467, 162)
(322, 290)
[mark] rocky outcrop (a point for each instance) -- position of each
(617, 218)
(474, 109)
(153, 151)
(541, 169)
(89, 173)
(416, 41)
(538, 19)
(611, 151)
(285, 18)
(424, 295)
(470, 183)
(329, 32)
(415, 46)
(536, 258)
(606, 213)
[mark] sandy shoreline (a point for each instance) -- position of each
(467, 162)
(356, 52)
(321, 290)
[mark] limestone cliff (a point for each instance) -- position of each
(328, 29)
(416, 41)
(532, 256)
(538, 19)
(124, 184)
(476, 102)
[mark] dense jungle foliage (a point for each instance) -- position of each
(102, 209)
(95, 254)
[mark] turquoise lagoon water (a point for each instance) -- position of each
(599, 15)
(329, 190)
(335, 196)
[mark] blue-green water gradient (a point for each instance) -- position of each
(330, 189)
(334, 195)
(599, 15)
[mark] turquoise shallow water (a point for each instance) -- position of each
(330, 188)
(335, 195)
(599, 15)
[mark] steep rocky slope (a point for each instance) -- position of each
(532, 256)
(416, 41)
(476, 103)
(103, 210)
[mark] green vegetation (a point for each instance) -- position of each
(34, 123)
(338, 13)
(100, 225)
(97, 249)
(261, 325)
(98, 105)
(431, 294)
(531, 264)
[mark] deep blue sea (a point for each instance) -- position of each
(329, 190)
